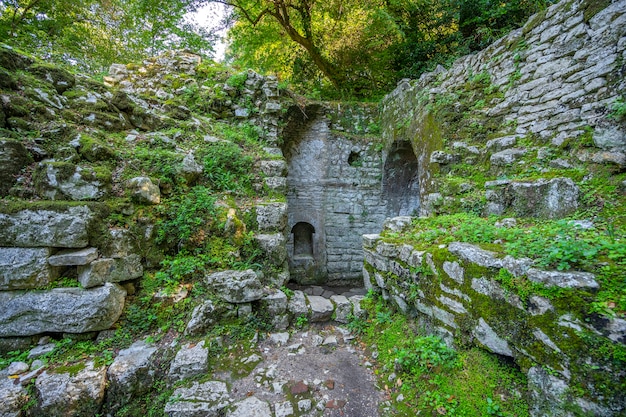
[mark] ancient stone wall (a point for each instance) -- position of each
(454, 292)
(333, 185)
(554, 80)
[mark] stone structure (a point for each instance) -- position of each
(553, 80)
(454, 293)
(334, 192)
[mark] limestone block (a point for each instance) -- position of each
(65, 228)
(443, 158)
(474, 254)
(488, 337)
(278, 184)
(273, 247)
(236, 286)
(507, 156)
(543, 198)
(397, 224)
(23, 268)
(274, 168)
(206, 399)
(253, 407)
(61, 310)
(454, 271)
(131, 373)
(563, 279)
(297, 304)
(202, 317)
(500, 144)
(321, 308)
(120, 244)
(66, 181)
(191, 360)
(12, 396)
(143, 191)
(190, 169)
(65, 394)
(272, 216)
(73, 257)
(343, 308)
(110, 270)
(272, 107)
(274, 303)
(13, 157)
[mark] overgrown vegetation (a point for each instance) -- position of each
(551, 244)
(423, 376)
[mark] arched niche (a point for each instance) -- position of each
(401, 181)
(303, 240)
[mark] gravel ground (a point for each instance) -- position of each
(319, 366)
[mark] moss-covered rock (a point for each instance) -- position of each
(13, 158)
(61, 79)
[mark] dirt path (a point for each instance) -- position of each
(317, 372)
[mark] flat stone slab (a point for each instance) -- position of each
(200, 400)
(321, 308)
(74, 257)
(251, 407)
(110, 270)
(66, 228)
(62, 310)
(563, 279)
(236, 286)
(25, 268)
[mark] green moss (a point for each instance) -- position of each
(73, 370)
(593, 7)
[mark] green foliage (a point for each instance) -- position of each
(93, 34)
(618, 109)
(301, 321)
(426, 352)
(189, 218)
(551, 244)
(227, 168)
(238, 80)
(435, 379)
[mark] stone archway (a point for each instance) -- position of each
(401, 181)
(303, 240)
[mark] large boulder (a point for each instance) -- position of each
(236, 286)
(13, 158)
(62, 310)
(66, 227)
(77, 392)
(131, 373)
(552, 199)
(24, 268)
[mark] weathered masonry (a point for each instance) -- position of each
(339, 187)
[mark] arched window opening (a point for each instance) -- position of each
(303, 240)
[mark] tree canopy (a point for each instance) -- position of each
(92, 34)
(357, 47)
(334, 48)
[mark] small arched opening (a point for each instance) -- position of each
(302, 240)
(400, 181)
